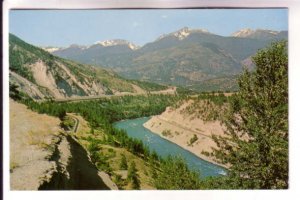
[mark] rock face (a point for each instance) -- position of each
(42, 158)
(74, 169)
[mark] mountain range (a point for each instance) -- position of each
(187, 57)
(40, 74)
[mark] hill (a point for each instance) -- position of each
(40, 74)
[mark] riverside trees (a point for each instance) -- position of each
(174, 174)
(256, 146)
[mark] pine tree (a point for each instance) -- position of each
(174, 174)
(256, 144)
(123, 164)
(133, 177)
(14, 92)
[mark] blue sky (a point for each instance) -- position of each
(65, 27)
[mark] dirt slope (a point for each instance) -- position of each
(181, 128)
(29, 139)
(42, 157)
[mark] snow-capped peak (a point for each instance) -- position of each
(108, 43)
(184, 33)
(268, 31)
(246, 32)
(243, 32)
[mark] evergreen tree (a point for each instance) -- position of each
(133, 177)
(123, 164)
(256, 144)
(174, 174)
(14, 92)
(62, 114)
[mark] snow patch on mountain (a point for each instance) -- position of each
(51, 49)
(108, 43)
(246, 32)
(183, 33)
(243, 32)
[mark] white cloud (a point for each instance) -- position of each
(164, 16)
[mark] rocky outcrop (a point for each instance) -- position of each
(74, 169)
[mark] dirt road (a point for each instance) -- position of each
(169, 91)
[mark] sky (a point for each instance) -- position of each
(61, 28)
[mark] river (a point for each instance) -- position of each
(163, 147)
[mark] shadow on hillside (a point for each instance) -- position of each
(83, 175)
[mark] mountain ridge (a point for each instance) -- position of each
(176, 33)
(182, 58)
(258, 33)
(40, 74)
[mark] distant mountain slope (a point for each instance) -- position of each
(110, 53)
(41, 74)
(185, 57)
(260, 34)
(223, 83)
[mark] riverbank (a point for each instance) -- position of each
(165, 148)
(179, 128)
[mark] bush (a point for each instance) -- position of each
(123, 163)
(193, 139)
(133, 177)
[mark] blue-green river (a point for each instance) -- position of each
(163, 147)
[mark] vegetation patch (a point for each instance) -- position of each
(167, 133)
(36, 138)
(13, 165)
(193, 140)
(67, 123)
(208, 106)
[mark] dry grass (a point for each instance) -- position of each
(37, 138)
(30, 136)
